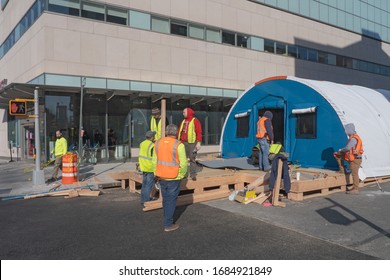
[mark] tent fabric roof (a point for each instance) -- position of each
(369, 111)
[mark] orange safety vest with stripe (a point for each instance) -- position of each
(261, 130)
(354, 151)
(168, 163)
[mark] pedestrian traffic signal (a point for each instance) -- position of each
(17, 108)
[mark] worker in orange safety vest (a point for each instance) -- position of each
(352, 153)
(265, 137)
(171, 168)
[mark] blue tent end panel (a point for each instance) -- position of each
(314, 152)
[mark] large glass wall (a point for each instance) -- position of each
(62, 113)
(367, 17)
(116, 123)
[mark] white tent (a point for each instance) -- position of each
(369, 111)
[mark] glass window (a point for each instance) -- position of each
(363, 9)
(281, 48)
(293, 6)
(322, 57)
(371, 13)
(341, 18)
(256, 43)
(312, 55)
(242, 40)
(70, 7)
(139, 20)
(314, 10)
(196, 32)
(306, 125)
(349, 21)
(331, 59)
(302, 53)
(357, 24)
(242, 130)
(160, 25)
(324, 12)
(370, 67)
(213, 35)
(228, 38)
(269, 46)
(304, 7)
(292, 51)
(116, 15)
(92, 11)
(356, 8)
(332, 16)
(283, 4)
(178, 28)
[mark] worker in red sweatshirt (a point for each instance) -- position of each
(190, 134)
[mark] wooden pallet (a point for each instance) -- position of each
(304, 189)
(374, 180)
(210, 184)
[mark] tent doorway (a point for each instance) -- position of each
(277, 123)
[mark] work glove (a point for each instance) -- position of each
(197, 146)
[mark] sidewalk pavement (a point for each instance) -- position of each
(359, 222)
(16, 177)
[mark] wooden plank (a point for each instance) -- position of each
(86, 192)
(131, 186)
(315, 193)
(317, 184)
(123, 183)
(276, 190)
(55, 193)
(188, 199)
(72, 194)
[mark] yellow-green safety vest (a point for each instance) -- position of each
(145, 158)
(60, 147)
(191, 135)
(155, 127)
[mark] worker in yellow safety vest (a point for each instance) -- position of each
(155, 122)
(147, 165)
(60, 149)
(190, 134)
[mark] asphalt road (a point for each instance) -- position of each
(113, 226)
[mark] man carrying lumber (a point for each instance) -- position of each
(147, 166)
(352, 153)
(171, 168)
(60, 149)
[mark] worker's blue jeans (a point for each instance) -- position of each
(263, 154)
(169, 191)
(147, 186)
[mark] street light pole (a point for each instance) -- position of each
(38, 174)
(81, 115)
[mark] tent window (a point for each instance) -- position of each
(306, 125)
(242, 127)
